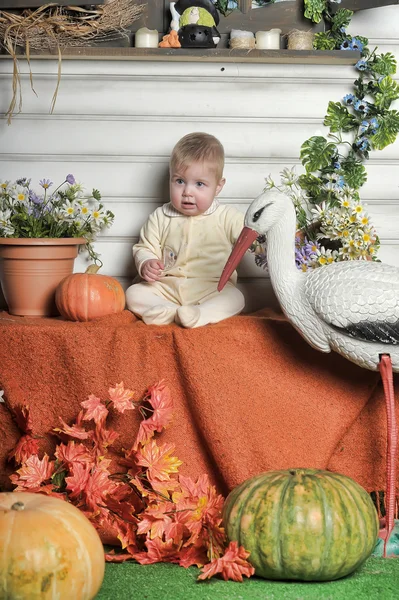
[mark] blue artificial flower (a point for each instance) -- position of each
(362, 106)
(363, 144)
(346, 45)
(340, 181)
(362, 65)
(70, 179)
(349, 99)
(374, 125)
(337, 165)
(357, 44)
(364, 125)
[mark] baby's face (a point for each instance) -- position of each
(193, 189)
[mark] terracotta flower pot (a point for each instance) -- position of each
(31, 269)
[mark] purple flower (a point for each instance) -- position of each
(70, 179)
(34, 198)
(45, 183)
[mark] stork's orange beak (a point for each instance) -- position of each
(245, 239)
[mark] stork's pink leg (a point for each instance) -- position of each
(392, 445)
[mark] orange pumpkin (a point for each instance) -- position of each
(48, 549)
(87, 296)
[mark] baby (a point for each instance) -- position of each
(185, 243)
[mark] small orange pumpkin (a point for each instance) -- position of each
(87, 296)
(48, 549)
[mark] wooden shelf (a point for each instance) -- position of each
(316, 57)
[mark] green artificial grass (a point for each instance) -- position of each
(378, 579)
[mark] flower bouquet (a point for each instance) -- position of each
(40, 235)
(64, 213)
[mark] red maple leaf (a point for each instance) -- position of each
(160, 400)
(98, 487)
(72, 453)
(158, 551)
(103, 437)
(95, 409)
(117, 558)
(77, 481)
(33, 473)
(75, 430)
(126, 535)
(155, 520)
(21, 414)
(233, 565)
(121, 398)
(26, 446)
(193, 555)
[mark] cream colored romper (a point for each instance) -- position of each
(194, 251)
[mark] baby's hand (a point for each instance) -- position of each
(152, 270)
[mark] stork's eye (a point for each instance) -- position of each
(258, 214)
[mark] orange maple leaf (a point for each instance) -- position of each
(103, 437)
(25, 447)
(157, 460)
(117, 558)
(160, 400)
(233, 565)
(193, 555)
(154, 520)
(73, 453)
(121, 398)
(75, 430)
(77, 481)
(95, 409)
(33, 473)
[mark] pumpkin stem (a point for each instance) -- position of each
(93, 269)
(18, 506)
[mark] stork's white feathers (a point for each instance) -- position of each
(351, 307)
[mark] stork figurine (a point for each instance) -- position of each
(351, 307)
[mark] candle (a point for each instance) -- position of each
(146, 38)
(267, 40)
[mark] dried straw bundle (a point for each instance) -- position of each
(54, 27)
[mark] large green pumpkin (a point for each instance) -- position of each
(303, 524)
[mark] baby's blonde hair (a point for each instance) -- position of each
(198, 147)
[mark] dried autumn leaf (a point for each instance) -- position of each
(117, 558)
(157, 460)
(77, 481)
(74, 431)
(193, 555)
(233, 565)
(33, 473)
(26, 446)
(158, 551)
(95, 409)
(121, 398)
(160, 400)
(73, 453)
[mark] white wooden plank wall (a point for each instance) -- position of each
(115, 123)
